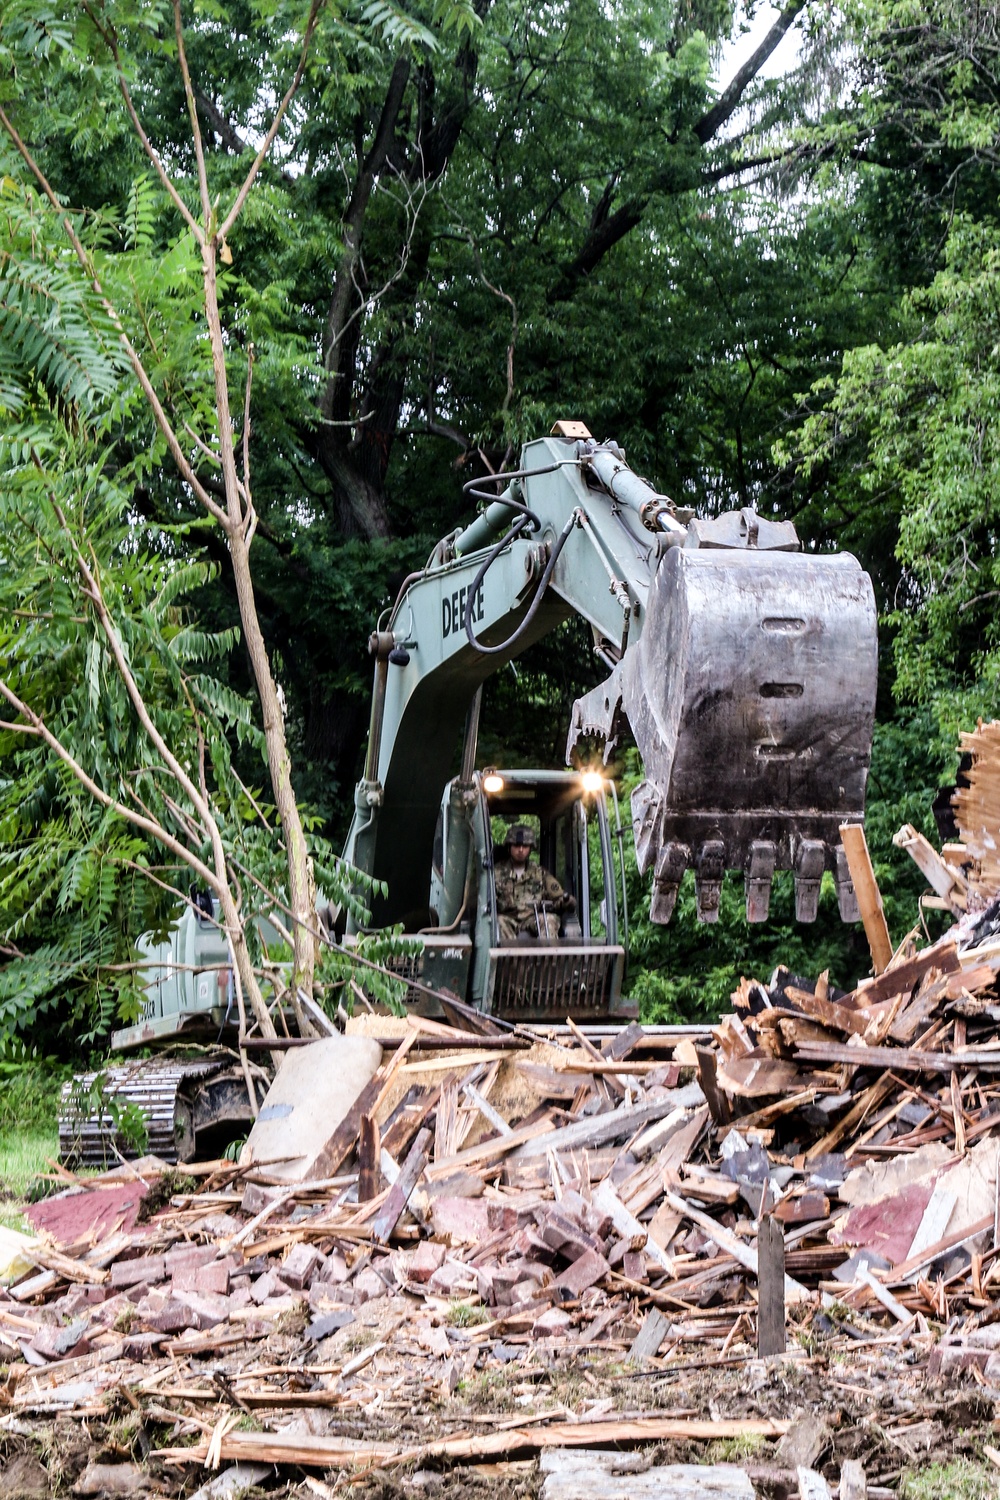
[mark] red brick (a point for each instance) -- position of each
(300, 1266)
(427, 1258)
(209, 1310)
(144, 1268)
(452, 1279)
(552, 1321)
(181, 1258)
(634, 1265)
(583, 1273)
(460, 1221)
(213, 1278)
(171, 1316)
(368, 1285)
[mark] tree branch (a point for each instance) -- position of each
(731, 97)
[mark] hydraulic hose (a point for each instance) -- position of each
(543, 583)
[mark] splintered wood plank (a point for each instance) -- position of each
(398, 1196)
(901, 978)
(628, 1226)
(345, 1137)
(327, 1452)
(852, 836)
(759, 1077)
(708, 1078)
(770, 1287)
(647, 1341)
(900, 1059)
(446, 1120)
(742, 1254)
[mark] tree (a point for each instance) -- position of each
(93, 311)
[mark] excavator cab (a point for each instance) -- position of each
(574, 962)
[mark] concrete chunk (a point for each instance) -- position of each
(312, 1094)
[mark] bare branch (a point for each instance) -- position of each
(37, 726)
(199, 150)
(307, 36)
(729, 100)
(110, 41)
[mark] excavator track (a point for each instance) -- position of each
(177, 1099)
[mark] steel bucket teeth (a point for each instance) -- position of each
(759, 872)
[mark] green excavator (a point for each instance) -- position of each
(743, 668)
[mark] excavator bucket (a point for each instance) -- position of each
(751, 695)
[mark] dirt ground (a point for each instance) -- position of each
(913, 1436)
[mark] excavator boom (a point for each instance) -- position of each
(744, 669)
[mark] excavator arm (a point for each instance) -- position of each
(744, 669)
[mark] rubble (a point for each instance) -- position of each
(505, 1204)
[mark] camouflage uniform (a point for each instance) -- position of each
(529, 900)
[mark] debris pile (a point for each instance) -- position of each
(485, 1206)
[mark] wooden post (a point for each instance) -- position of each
(852, 836)
(770, 1287)
(716, 1100)
(369, 1147)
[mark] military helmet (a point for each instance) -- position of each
(520, 833)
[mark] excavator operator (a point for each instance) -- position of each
(529, 899)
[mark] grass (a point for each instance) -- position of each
(22, 1161)
(29, 1104)
(961, 1479)
(467, 1314)
(738, 1450)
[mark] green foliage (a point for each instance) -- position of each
(30, 1088)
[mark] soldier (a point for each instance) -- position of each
(529, 899)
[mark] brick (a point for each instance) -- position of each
(451, 1279)
(209, 1310)
(634, 1265)
(427, 1258)
(147, 1269)
(326, 1294)
(528, 1290)
(368, 1285)
(182, 1258)
(213, 1278)
(520, 1282)
(267, 1286)
(460, 1221)
(172, 1316)
(553, 1321)
(560, 1232)
(80, 1297)
(61, 1341)
(256, 1196)
(335, 1268)
(494, 1283)
(300, 1266)
(501, 1217)
(108, 1312)
(583, 1273)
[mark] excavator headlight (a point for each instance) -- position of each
(593, 782)
(492, 782)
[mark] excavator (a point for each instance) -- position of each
(742, 667)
